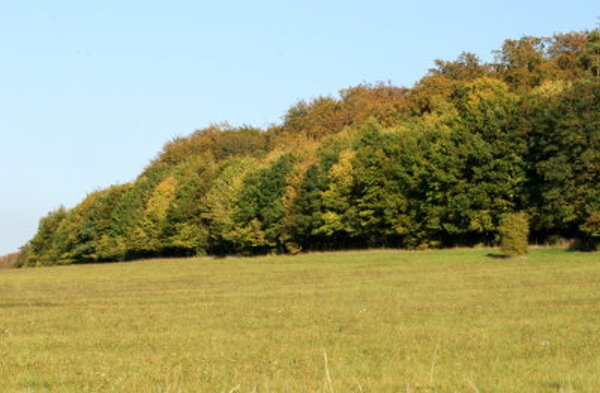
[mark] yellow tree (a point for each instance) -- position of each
(339, 209)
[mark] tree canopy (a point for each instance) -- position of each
(439, 164)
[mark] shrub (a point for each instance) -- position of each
(514, 231)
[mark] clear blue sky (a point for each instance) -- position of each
(91, 90)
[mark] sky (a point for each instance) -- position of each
(91, 90)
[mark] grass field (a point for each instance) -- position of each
(381, 321)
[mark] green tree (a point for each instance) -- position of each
(128, 215)
(259, 210)
(38, 250)
(185, 231)
(378, 198)
(564, 154)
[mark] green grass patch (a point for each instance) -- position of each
(380, 321)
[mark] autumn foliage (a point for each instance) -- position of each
(439, 164)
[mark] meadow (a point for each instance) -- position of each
(374, 321)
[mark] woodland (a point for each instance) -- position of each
(435, 165)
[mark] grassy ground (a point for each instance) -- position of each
(382, 321)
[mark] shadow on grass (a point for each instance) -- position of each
(496, 256)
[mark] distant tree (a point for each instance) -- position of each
(38, 251)
(458, 171)
(77, 238)
(259, 210)
(591, 53)
(185, 231)
(304, 206)
(9, 260)
(430, 93)
(158, 205)
(564, 155)
(520, 62)
(218, 205)
(385, 103)
(465, 68)
(566, 56)
(221, 141)
(318, 118)
(303, 215)
(378, 198)
(339, 213)
(127, 217)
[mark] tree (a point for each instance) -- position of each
(339, 213)
(218, 205)
(185, 231)
(157, 207)
(465, 68)
(377, 197)
(564, 155)
(304, 214)
(38, 251)
(591, 53)
(259, 210)
(520, 62)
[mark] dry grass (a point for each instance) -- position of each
(387, 321)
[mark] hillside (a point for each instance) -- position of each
(434, 165)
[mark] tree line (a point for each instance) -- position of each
(436, 165)
(8, 260)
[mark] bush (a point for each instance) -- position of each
(514, 231)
